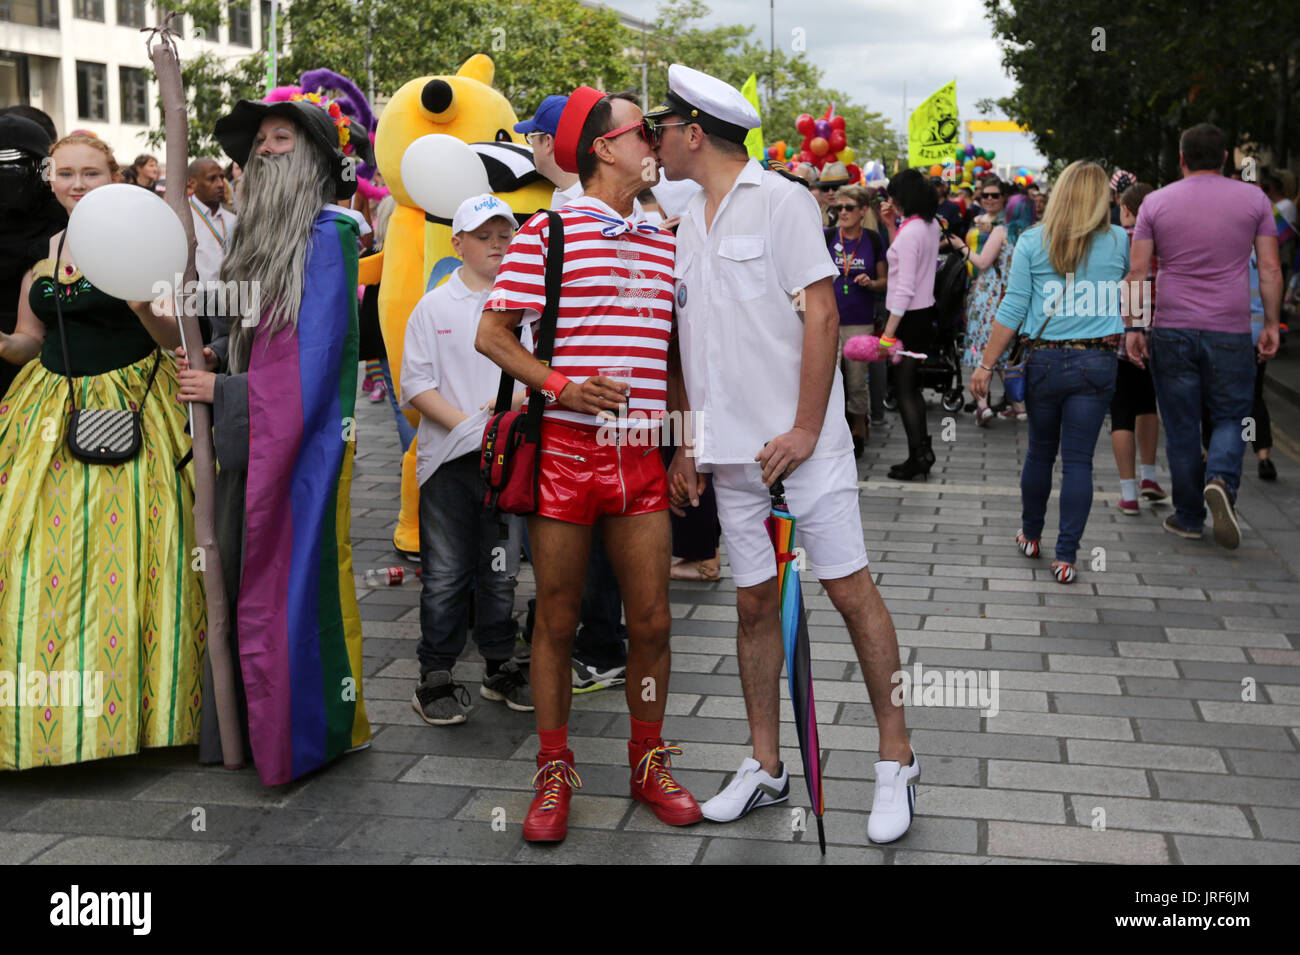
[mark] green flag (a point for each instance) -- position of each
(754, 138)
(933, 134)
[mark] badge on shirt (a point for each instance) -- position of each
(681, 294)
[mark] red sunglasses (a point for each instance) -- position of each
(647, 133)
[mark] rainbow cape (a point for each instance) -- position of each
(299, 626)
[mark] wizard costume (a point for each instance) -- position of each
(283, 435)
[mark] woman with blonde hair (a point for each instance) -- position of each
(1063, 298)
(100, 604)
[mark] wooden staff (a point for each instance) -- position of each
(166, 64)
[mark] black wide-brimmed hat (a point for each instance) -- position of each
(237, 130)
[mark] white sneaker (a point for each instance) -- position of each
(750, 789)
(895, 799)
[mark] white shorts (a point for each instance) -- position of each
(822, 494)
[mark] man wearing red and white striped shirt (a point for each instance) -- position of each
(606, 389)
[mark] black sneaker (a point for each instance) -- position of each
(587, 677)
(440, 700)
(509, 685)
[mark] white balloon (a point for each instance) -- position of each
(440, 172)
(125, 240)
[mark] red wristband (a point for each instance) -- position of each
(555, 383)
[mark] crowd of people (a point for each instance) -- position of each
(609, 316)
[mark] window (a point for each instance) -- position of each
(132, 13)
(266, 26)
(30, 13)
(208, 29)
(135, 95)
(88, 10)
(92, 91)
(13, 78)
(241, 24)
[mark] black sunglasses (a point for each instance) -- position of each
(990, 195)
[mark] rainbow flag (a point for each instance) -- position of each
(299, 626)
(1285, 229)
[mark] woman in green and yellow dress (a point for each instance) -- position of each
(101, 602)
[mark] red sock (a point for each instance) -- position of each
(554, 742)
(647, 732)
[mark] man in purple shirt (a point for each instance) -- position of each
(1200, 347)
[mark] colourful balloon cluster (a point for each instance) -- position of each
(967, 165)
(824, 141)
(1023, 177)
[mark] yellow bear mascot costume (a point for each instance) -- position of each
(467, 107)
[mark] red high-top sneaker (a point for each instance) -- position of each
(654, 785)
(548, 816)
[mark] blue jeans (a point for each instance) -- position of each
(1201, 371)
(461, 542)
(1067, 395)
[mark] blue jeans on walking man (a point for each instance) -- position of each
(1197, 372)
(460, 542)
(1068, 394)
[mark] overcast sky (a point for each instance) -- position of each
(867, 48)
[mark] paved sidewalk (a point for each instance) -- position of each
(1120, 699)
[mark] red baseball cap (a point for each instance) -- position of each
(574, 117)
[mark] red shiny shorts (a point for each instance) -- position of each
(581, 480)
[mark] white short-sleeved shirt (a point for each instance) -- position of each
(740, 335)
(616, 305)
(439, 353)
(212, 232)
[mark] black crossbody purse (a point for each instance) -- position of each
(99, 435)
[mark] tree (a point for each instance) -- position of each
(788, 85)
(1118, 83)
(538, 46)
(212, 85)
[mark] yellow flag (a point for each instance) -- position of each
(754, 139)
(933, 133)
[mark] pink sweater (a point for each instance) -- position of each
(912, 257)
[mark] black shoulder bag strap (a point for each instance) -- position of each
(63, 336)
(545, 331)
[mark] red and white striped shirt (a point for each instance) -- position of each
(616, 303)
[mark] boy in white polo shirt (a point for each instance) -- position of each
(451, 385)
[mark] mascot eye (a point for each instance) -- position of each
(438, 98)
(504, 137)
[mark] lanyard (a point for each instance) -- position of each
(905, 222)
(848, 256)
(221, 239)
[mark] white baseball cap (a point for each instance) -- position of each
(476, 210)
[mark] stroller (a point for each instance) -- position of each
(941, 370)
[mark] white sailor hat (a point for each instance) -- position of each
(718, 107)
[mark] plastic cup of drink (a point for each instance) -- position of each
(623, 375)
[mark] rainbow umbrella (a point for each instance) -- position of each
(794, 633)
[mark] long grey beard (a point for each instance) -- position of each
(283, 195)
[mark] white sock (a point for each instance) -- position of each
(1148, 472)
(1128, 489)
